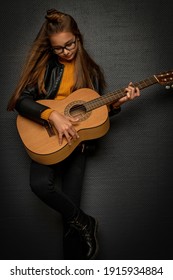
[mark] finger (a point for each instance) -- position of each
(128, 94)
(131, 86)
(132, 92)
(134, 89)
(68, 137)
(60, 138)
(73, 119)
(137, 92)
(73, 133)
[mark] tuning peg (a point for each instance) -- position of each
(169, 87)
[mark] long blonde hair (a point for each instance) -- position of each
(34, 69)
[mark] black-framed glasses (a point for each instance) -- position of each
(69, 46)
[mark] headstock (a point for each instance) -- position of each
(165, 79)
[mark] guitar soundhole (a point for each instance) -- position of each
(77, 109)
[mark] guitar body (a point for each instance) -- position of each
(43, 146)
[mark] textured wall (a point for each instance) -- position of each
(128, 184)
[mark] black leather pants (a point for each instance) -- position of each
(60, 185)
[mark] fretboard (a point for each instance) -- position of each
(111, 97)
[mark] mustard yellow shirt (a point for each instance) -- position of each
(65, 88)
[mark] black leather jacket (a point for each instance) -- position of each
(26, 105)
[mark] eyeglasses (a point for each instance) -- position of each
(70, 46)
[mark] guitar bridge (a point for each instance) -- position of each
(49, 129)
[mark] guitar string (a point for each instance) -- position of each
(110, 97)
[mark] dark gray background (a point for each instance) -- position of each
(128, 183)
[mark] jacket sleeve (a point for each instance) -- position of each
(27, 106)
(114, 111)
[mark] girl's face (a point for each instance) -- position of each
(64, 44)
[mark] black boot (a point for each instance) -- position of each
(85, 232)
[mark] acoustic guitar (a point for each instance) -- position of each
(41, 141)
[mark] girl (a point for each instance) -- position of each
(57, 65)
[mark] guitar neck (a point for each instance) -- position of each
(111, 97)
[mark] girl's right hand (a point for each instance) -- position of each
(64, 126)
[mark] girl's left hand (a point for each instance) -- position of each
(131, 93)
